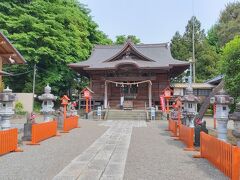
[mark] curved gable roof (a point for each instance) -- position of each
(125, 48)
(156, 56)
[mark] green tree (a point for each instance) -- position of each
(179, 47)
(199, 34)
(121, 39)
(228, 25)
(207, 62)
(231, 66)
(50, 34)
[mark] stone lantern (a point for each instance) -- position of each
(236, 119)
(47, 104)
(6, 108)
(190, 105)
(222, 100)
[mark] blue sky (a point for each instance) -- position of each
(153, 21)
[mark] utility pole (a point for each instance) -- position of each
(193, 44)
(34, 80)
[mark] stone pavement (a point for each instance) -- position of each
(106, 157)
(131, 150)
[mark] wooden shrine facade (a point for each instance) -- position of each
(130, 75)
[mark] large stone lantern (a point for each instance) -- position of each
(222, 101)
(190, 105)
(47, 104)
(236, 119)
(6, 108)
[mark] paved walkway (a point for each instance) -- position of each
(129, 150)
(106, 157)
(43, 162)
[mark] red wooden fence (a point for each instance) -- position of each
(221, 154)
(42, 131)
(70, 123)
(9, 141)
(173, 127)
(186, 134)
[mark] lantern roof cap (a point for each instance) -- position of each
(167, 89)
(7, 90)
(65, 97)
(87, 89)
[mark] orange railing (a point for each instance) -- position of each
(173, 127)
(70, 123)
(8, 141)
(186, 134)
(223, 155)
(42, 131)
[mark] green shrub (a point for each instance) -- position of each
(209, 112)
(19, 108)
(37, 107)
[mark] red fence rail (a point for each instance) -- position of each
(70, 123)
(9, 141)
(43, 131)
(223, 155)
(186, 134)
(173, 127)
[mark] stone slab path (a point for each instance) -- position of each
(106, 157)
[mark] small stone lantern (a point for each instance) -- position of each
(6, 108)
(190, 105)
(222, 101)
(236, 119)
(47, 104)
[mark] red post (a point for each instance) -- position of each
(87, 105)
(65, 100)
(167, 105)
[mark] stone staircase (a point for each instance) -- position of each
(126, 115)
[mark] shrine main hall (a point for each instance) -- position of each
(132, 74)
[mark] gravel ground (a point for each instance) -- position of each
(45, 161)
(154, 155)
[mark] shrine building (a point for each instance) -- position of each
(132, 74)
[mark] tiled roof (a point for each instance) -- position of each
(194, 85)
(154, 56)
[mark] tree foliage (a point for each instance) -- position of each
(121, 39)
(50, 34)
(179, 47)
(231, 67)
(206, 55)
(228, 25)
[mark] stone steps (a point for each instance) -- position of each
(126, 115)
